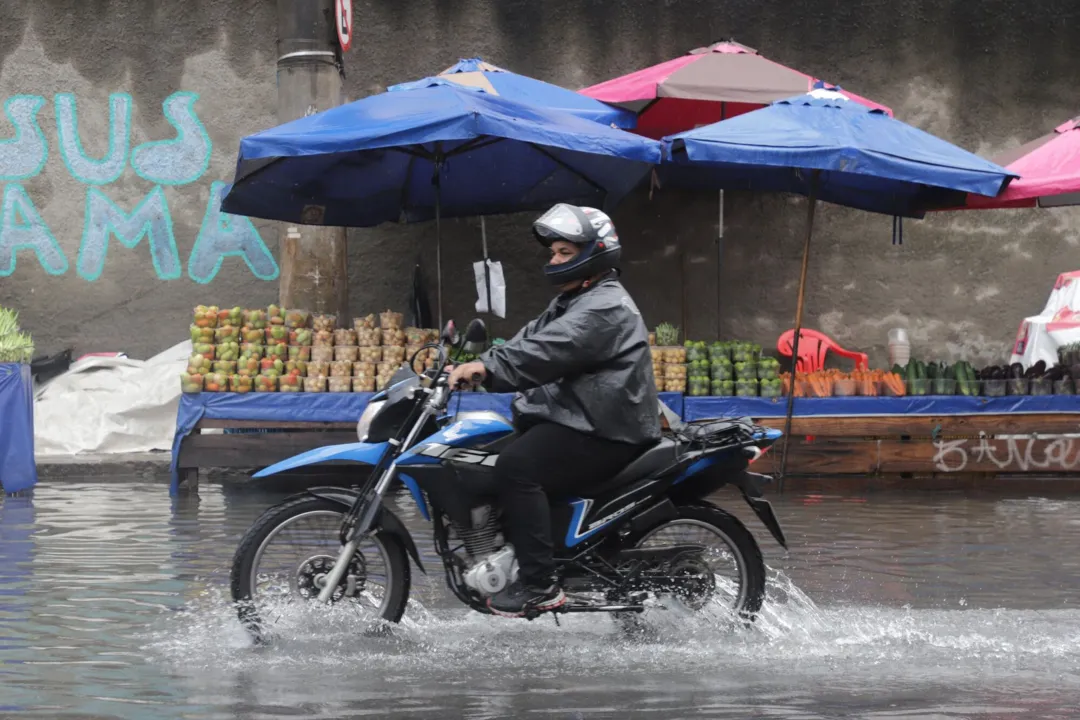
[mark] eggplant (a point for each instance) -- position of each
(1056, 373)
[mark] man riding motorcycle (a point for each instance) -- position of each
(587, 403)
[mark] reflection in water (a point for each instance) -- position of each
(113, 603)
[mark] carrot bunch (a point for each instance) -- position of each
(821, 383)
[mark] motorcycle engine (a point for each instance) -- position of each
(494, 572)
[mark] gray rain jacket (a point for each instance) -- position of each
(584, 364)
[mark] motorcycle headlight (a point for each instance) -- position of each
(369, 414)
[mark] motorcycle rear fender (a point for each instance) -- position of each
(386, 520)
(369, 453)
(750, 485)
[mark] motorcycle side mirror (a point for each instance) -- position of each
(476, 337)
(450, 334)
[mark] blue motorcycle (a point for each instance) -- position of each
(647, 533)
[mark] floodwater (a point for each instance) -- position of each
(918, 605)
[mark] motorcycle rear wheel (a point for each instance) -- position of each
(381, 563)
(736, 547)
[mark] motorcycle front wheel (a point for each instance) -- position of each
(285, 557)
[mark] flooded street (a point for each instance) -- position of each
(113, 604)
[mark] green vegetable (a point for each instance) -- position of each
(15, 345)
(667, 334)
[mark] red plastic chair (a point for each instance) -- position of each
(813, 346)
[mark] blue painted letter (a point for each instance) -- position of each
(223, 235)
(21, 228)
(179, 161)
(82, 168)
(149, 218)
(24, 155)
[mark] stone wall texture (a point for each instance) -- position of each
(123, 118)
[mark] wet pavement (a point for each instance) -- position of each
(113, 604)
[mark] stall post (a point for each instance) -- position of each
(311, 34)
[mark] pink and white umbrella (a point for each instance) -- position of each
(1049, 170)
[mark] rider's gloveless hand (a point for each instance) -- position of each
(467, 374)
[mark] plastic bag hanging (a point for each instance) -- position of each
(490, 284)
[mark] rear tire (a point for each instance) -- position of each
(739, 542)
(389, 547)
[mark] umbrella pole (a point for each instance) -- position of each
(811, 206)
(438, 243)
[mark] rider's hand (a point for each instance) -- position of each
(464, 374)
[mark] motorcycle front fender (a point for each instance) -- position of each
(385, 520)
(368, 453)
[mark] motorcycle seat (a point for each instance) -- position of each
(652, 460)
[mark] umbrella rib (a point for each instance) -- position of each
(475, 144)
(562, 164)
(413, 151)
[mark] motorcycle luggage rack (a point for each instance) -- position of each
(714, 433)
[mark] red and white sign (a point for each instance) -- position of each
(343, 13)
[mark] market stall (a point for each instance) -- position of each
(263, 385)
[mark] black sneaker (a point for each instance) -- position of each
(520, 599)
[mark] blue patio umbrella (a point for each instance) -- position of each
(443, 150)
(474, 72)
(827, 147)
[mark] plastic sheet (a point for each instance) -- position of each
(1058, 324)
(17, 468)
(105, 405)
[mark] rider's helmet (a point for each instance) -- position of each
(589, 229)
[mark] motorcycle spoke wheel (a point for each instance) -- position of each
(292, 563)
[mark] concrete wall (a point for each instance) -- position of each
(983, 75)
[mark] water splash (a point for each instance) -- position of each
(791, 632)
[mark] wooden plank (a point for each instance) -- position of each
(277, 425)
(947, 426)
(241, 451)
(824, 458)
(1023, 455)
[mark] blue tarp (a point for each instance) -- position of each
(347, 407)
(17, 468)
(523, 88)
(378, 159)
(867, 159)
(709, 407)
(314, 407)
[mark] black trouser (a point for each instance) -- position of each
(549, 460)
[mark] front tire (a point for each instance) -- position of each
(263, 577)
(743, 592)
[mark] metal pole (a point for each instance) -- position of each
(487, 272)
(811, 206)
(314, 259)
(719, 261)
